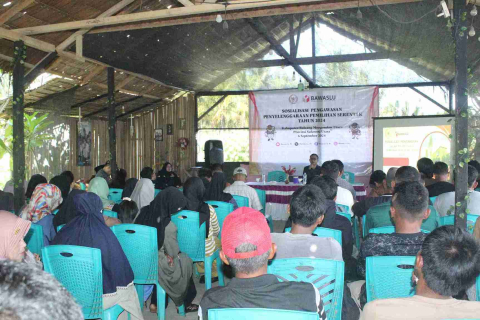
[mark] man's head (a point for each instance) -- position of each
(410, 203)
(378, 181)
(391, 176)
(147, 173)
(425, 166)
(440, 171)
(406, 174)
(308, 206)
(330, 169)
(476, 165)
(27, 292)
(340, 165)
(240, 174)
(205, 173)
(327, 185)
(313, 160)
(70, 177)
(107, 168)
(448, 262)
(472, 177)
(216, 167)
(246, 243)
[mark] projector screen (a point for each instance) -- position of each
(402, 141)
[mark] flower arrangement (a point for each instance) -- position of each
(290, 171)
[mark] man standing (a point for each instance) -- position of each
(240, 188)
(313, 169)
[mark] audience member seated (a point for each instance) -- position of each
(175, 269)
(10, 186)
(472, 292)
(128, 211)
(378, 184)
(70, 177)
(445, 203)
(382, 218)
(35, 180)
(313, 169)
(246, 247)
(360, 208)
(105, 172)
(88, 229)
(476, 165)
(119, 179)
(215, 191)
(144, 191)
(45, 199)
(330, 169)
(446, 265)
(426, 168)
(206, 175)
(6, 201)
(63, 183)
(342, 182)
(12, 246)
(216, 167)
(307, 211)
(99, 187)
(129, 187)
(441, 184)
(165, 177)
(67, 211)
(28, 293)
(240, 188)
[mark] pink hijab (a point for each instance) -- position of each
(45, 199)
(12, 230)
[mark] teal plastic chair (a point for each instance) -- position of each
(109, 213)
(356, 232)
(388, 229)
(342, 208)
(83, 186)
(191, 240)
(389, 277)
(55, 212)
(346, 215)
(157, 191)
(325, 233)
(364, 220)
(139, 243)
(433, 199)
(34, 239)
(262, 196)
(450, 221)
(478, 288)
(325, 275)
(115, 195)
(349, 176)
(241, 201)
(79, 270)
(260, 314)
(222, 209)
(278, 176)
(60, 227)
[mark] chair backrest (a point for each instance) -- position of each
(222, 209)
(34, 239)
(433, 199)
(478, 288)
(262, 196)
(190, 236)
(349, 176)
(79, 270)
(278, 176)
(450, 221)
(325, 275)
(83, 186)
(325, 233)
(259, 314)
(346, 215)
(55, 211)
(389, 277)
(389, 229)
(157, 191)
(140, 246)
(342, 208)
(110, 213)
(60, 227)
(241, 201)
(115, 195)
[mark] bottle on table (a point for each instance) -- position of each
(304, 178)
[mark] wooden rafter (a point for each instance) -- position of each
(92, 74)
(186, 3)
(16, 8)
(125, 81)
(28, 41)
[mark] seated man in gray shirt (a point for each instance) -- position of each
(307, 210)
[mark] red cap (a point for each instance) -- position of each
(245, 225)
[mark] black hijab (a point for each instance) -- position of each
(67, 211)
(194, 191)
(215, 190)
(158, 213)
(35, 180)
(165, 179)
(129, 186)
(63, 184)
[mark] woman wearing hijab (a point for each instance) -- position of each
(215, 190)
(144, 191)
(165, 177)
(174, 268)
(88, 229)
(99, 186)
(63, 183)
(35, 180)
(45, 199)
(129, 187)
(67, 211)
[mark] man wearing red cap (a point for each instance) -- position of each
(247, 247)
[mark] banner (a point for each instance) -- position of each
(84, 143)
(335, 123)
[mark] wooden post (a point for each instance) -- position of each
(111, 119)
(461, 112)
(20, 51)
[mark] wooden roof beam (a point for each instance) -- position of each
(97, 70)
(16, 8)
(186, 3)
(125, 81)
(29, 41)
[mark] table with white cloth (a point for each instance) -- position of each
(278, 196)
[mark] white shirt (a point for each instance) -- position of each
(446, 202)
(345, 197)
(240, 188)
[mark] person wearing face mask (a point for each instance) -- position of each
(165, 177)
(313, 169)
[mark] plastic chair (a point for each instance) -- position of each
(191, 240)
(450, 221)
(433, 199)
(388, 229)
(478, 288)
(55, 212)
(60, 227)
(262, 196)
(346, 215)
(115, 195)
(222, 209)
(83, 186)
(109, 213)
(325, 275)
(349, 176)
(356, 232)
(259, 314)
(34, 239)
(241, 201)
(157, 191)
(342, 208)
(387, 279)
(139, 243)
(278, 176)
(79, 270)
(325, 233)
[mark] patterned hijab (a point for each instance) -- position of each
(99, 186)
(143, 193)
(45, 199)
(12, 230)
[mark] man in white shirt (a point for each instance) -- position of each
(345, 197)
(445, 203)
(240, 188)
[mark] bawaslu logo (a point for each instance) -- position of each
(319, 98)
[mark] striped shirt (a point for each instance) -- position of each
(213, 232)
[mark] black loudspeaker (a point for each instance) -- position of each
(213, 152)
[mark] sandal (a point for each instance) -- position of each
(191, 308)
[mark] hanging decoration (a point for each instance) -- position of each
(183, 144)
